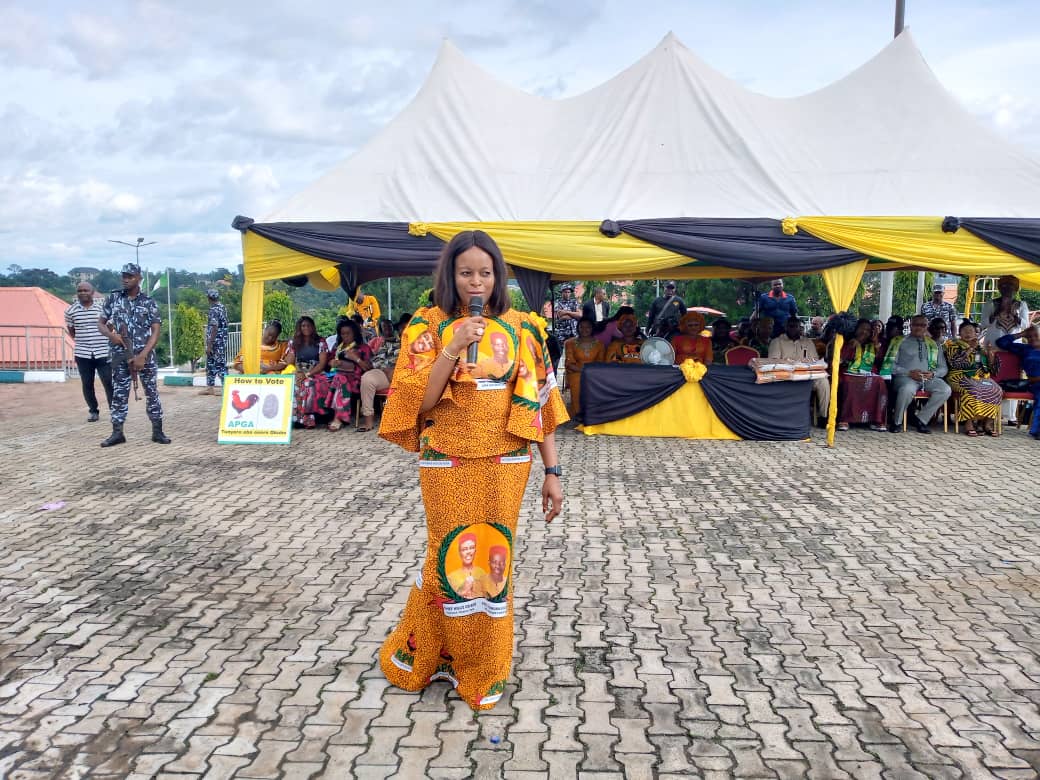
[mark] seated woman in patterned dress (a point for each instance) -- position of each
(626, 348)
(310, 354)
(968, 377)
(351, 358)
(578, 351)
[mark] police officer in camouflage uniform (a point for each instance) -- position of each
(216, 343)
(130, 321)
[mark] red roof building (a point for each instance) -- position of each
(32, 330)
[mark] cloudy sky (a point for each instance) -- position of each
(166, 119)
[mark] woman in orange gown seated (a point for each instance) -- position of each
(583, 348)
(626, 348)
(689, 344)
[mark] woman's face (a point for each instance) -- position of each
(386, 329)
(585, 329)
(968, 332)
(1008, 286)
(346, 334)
(306, 328)
(877, 327)
(720, 331)
(423, 342)
(627, 327)
(474, 274)
(863, 331)
(270, 335)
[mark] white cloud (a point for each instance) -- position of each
(166, 119)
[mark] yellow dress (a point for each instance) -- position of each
(474, 461)
(580, 352)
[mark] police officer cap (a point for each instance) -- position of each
(567, 287)
(131, 269)
(212, 293)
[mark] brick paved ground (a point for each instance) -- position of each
(704, 609)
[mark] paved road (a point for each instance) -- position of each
(704, 609)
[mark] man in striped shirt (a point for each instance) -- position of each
(92, 354)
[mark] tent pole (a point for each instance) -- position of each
(389, 302)
(900, 14)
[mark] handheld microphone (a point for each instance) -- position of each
(476, 308)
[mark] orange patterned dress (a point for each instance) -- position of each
(578, 352)
(474, 461)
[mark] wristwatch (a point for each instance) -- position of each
(553, 470)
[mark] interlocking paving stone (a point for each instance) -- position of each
(703, 609)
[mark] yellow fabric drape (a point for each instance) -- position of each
(565, 249)
(917, 241)
(685, 414)
(832, 410)
(969, 298)
(842, 283)
(263, 259)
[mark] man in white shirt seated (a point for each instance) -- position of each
(791, 345)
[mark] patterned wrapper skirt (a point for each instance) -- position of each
(979, 398)
(866, 399)
(458, 623)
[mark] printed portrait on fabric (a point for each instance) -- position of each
(496, 352)
(474, 563)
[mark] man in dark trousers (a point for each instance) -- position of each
(81, 321)
(778, 305)
(665, 312)
(216, 343)
(130, 321)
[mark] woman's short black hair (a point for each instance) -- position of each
(446, 297)
(358, 338)
(277, 325)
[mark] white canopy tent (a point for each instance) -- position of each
(671, 137)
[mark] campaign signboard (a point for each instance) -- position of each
(257, 409)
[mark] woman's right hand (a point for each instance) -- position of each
(467, 331)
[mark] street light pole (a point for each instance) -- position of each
(888, 277)
(137, 259)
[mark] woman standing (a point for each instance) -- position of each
(968, 376)
(583, 348)
(1001, 316)
(865, 393)
(351, 358)
(309, 353)
(474, 441)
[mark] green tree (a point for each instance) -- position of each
(279, 306)
(325, 321)
(425, 298)
(189, 341)
(517, 299)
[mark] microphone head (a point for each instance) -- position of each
(476, 306)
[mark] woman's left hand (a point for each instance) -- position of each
(552, 497)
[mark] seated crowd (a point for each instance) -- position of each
(883, 373)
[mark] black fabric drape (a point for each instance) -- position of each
(756, 245)
(777, 411)
(611, 392)
(533, 284)
(386, 247)
(1020, 237)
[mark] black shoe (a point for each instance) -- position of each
(920, 426)
(895, 428)
(92, 417)
(157, 434)
(117, 436)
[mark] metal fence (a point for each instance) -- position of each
(36, 348)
